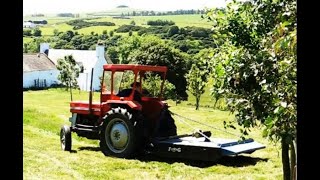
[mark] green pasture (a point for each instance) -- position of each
(45, 111)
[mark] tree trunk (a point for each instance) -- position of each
(71, 92)
(197, 102)
(215, 103)
(293, 160)
(285, 159)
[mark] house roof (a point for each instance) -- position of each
(87, 58)
(37, 62)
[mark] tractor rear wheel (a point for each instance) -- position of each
(118, 134)
(65, 138)
(166, 125)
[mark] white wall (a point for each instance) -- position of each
(28, 25)
(84, 81)
(85, 78)
(97, 73)
(51, 77)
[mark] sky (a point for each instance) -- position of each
(82, 6)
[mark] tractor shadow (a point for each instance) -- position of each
(236, 161)
(233, 161)
(89, 148)
(240, 161)
(73, 151)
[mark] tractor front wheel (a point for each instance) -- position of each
(118, 137)
(65, 138)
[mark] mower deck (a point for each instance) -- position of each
(201, 148)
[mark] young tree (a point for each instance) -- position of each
(198, 74)
(255, 69)
(69, 72)
(196, 83)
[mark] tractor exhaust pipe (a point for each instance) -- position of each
(90, 94)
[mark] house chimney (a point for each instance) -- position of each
(44, 48)
(100, 51)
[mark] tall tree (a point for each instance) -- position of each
(255, 68)
(154, 51)
(69, 72)
(126, 46)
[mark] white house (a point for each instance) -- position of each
(38, 71)
(27, 24)
(87, 58)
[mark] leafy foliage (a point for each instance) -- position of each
(173, 30)
(255, 67)
(69, 72)
(37, 32)
(153, 83)
(34, 46)
(160, 22)
(156, 52)
(127, 28)
(79, 23)
(126, 46)
(27, 32)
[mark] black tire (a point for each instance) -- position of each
(165, 126)
(118, 134)
(65, 138)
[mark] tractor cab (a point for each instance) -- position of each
(119, 78)
(132, 86)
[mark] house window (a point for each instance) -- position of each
(81, 69)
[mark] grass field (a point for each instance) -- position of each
(48, 30)
(45, 111)
(27, 39)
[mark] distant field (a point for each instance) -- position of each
(59, 23)
(48, 30)
(96, 29)
(180, 20)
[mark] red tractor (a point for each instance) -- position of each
(129, 120)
